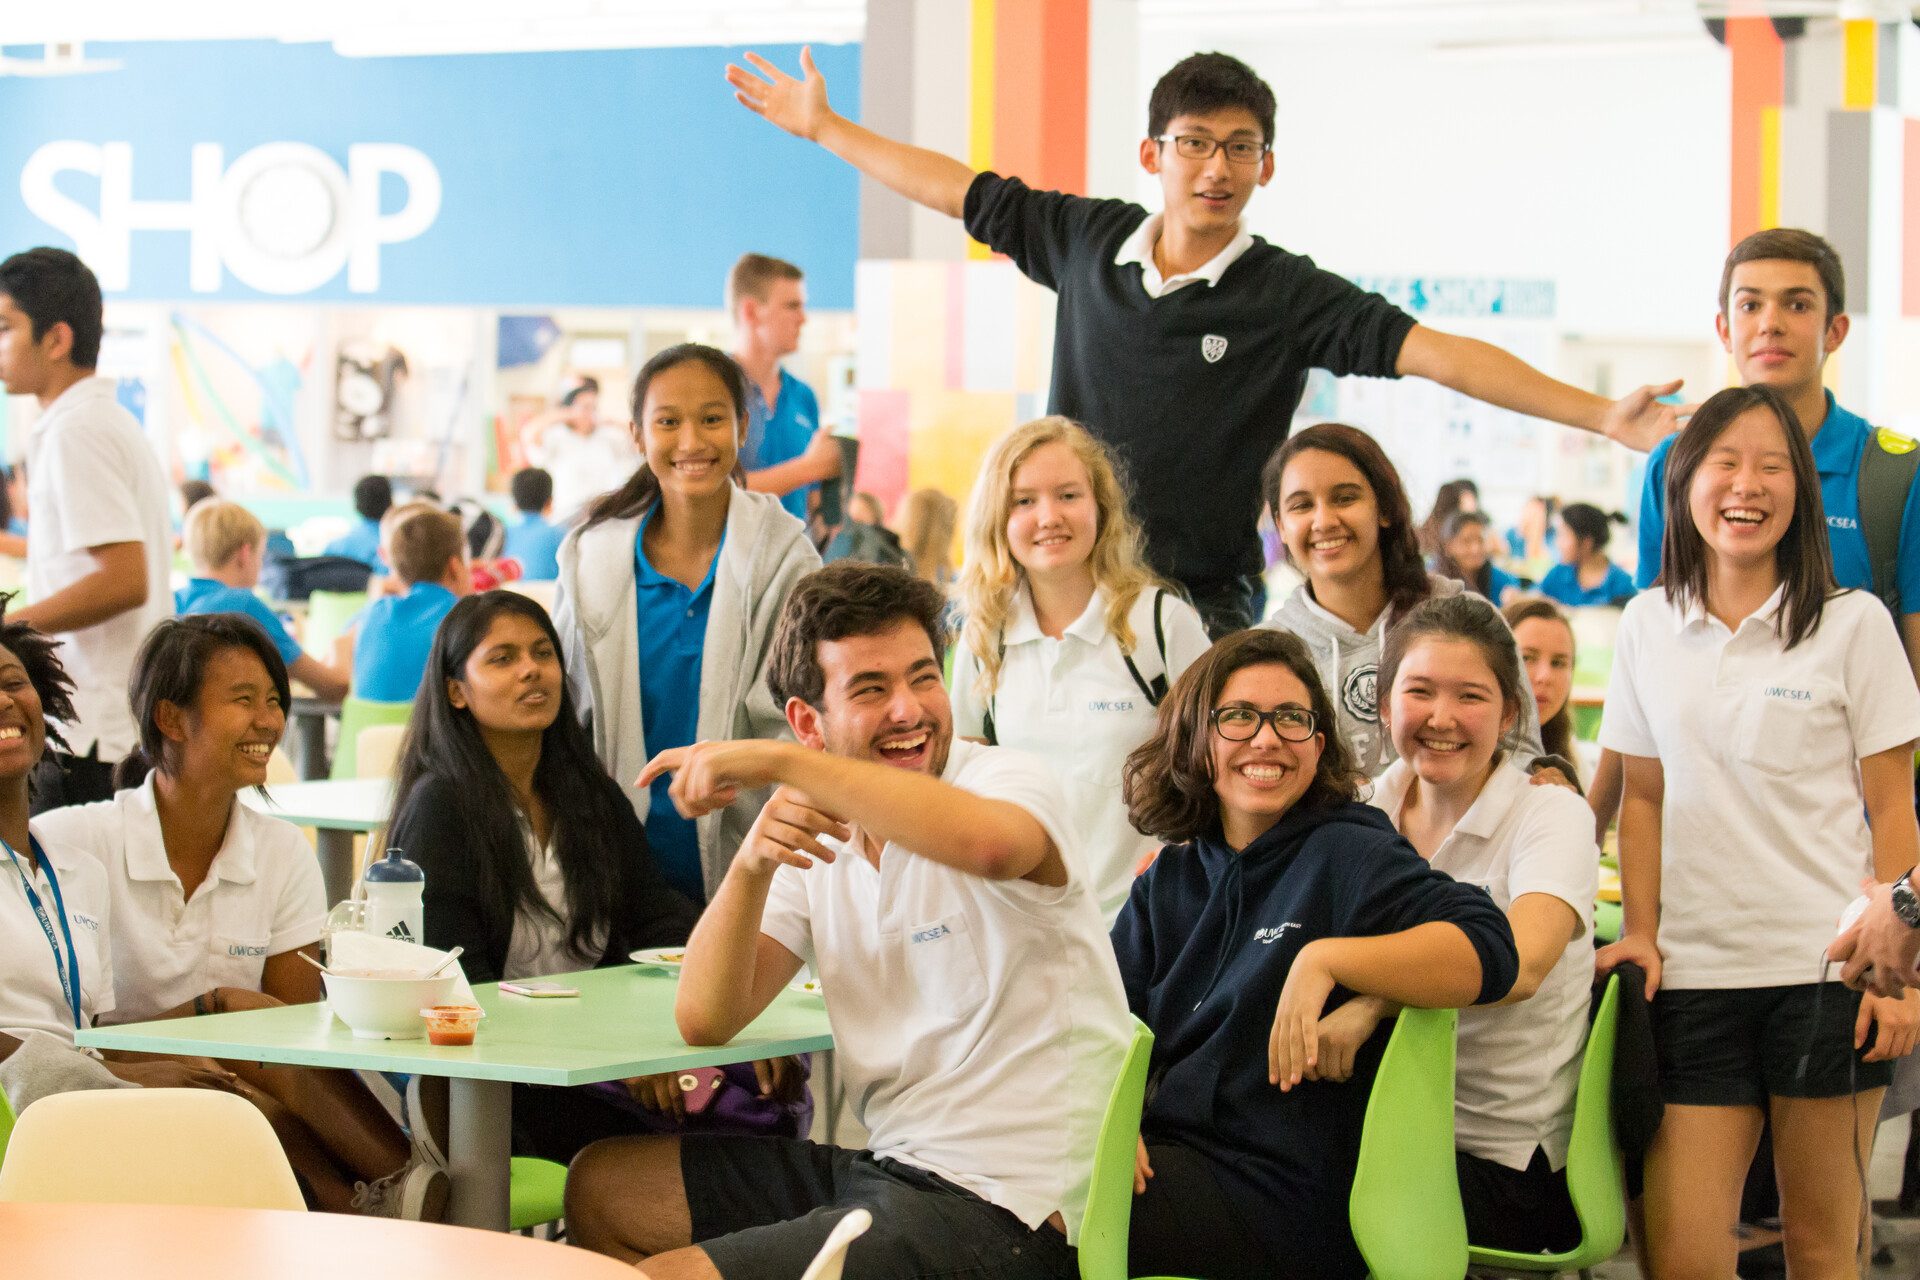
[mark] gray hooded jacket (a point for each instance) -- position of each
(1349, 662)
(765, 553)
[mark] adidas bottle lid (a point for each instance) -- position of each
(395, 890)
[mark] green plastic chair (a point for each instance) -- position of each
(357, 714)
(1595, 1179)
(536, 1192)
(1405, 1208)
(6, 1125)
(328, 613)
(1103, 1230)
(1405, 1204)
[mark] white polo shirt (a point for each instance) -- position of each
(262, 896)
(978, 1024)
(31, 997)
(1072, 703)
(1519, 1064)
(92, 479)
(585, 466)
(1764, 835)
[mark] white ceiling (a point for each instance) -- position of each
(376, 27)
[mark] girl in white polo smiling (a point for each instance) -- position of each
(1767, 724)
(1070, 640)
(211, 900)
(1453, 684)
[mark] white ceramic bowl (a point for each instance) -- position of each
(380, 1005)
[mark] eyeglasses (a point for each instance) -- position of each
(1194, 146)
(1242, 724)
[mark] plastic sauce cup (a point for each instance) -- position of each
(451, 1024)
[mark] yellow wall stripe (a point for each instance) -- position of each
(980, 99)
(1861, 38)
(1770, 167)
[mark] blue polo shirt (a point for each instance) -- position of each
(361, 543)
(673, 637)
(782, 433)
(1498, 580)
(535, 543)
(1562, 583)
(1837, 447)
(395, 636)
(204, 595)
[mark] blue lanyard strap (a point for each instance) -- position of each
(70, 971)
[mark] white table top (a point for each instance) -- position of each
(352, 804)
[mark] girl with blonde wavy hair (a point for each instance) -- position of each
(1070, 641)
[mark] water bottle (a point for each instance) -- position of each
(394, 888)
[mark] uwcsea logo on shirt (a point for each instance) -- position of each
(1266, 937)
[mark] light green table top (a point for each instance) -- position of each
(621, 1025)
(351, 804)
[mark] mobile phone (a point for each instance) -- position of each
(538, 990)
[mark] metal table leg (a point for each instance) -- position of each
(334, 848)
(310, 745)
(479, 1133)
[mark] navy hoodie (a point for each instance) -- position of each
(1204, 945)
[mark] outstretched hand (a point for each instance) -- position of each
(708, 776)
(1640, 421)
(798, 106)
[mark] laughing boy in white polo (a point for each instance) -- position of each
(977, 1011)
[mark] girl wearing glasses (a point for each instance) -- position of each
(1278, 889)
(1070, 640)
(1454, 685)
(1348, 528)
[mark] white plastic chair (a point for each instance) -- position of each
(378, 750)
(147, 1146)
(827, 1264)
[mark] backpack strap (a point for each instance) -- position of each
(986, 724)
(1156, 689)
(1887, 467)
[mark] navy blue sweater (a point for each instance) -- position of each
(1194, 390)
(1204, 945)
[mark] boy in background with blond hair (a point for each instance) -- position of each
(226, 544)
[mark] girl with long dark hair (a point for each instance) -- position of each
(1766, 722)
(667, 599)
(535, 862)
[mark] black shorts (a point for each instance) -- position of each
(762, 1207)
(1519, 1210)
(1740, 1046)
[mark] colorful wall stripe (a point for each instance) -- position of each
(1028, 81)
(1759, 88)
(1860, 41)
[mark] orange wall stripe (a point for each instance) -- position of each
(1017, 70)
(1063, 97)
(1759, 83)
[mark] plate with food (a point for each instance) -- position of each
(807, 987)
(659, 957)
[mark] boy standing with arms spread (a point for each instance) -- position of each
(976, 1005)
(1183, 341)
(99, 540)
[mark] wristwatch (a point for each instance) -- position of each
(1906, 903)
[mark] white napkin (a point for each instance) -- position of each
(352, 949)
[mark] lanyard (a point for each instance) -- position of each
(69, 972)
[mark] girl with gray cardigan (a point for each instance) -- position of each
(667, 598)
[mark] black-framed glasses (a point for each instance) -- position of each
(1238, 723)
(1197, 146)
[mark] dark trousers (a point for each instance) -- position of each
(1227, 604)
(60, 780)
